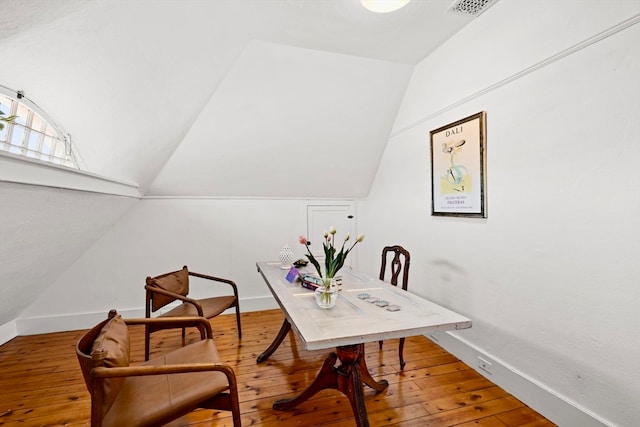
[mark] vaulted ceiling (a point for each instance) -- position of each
(223, 97)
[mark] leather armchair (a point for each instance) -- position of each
(174, 286)
(159, 390)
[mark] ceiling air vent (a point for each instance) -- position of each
(470, 7)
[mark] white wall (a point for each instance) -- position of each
(222, 237)
(44, 230)
(550, 278)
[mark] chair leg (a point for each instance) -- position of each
(238, 321)
(147, 334)
(380, 344)
(235, 409)
(183, 336)
(400, 351)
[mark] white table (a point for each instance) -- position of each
(347, 326)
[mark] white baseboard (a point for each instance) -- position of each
(76, 321)
(552, 405)
(68, 322)
(8, 331)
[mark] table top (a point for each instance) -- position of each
(354, 320)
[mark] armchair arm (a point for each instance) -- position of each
(201, 323)
(216, 279)
(101, 373)
(182, 298)
(137, 371)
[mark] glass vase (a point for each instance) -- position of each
(327, 294)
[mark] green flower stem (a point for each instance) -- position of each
(333, 261)
(325, 297)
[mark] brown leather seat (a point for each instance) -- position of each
(174, 286)
(160, 390)
(399, 264)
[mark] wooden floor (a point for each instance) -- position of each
(41, 384)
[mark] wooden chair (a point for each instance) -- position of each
(399, 264)
(169, 287)
(157, 391)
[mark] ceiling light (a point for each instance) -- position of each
(384, 6)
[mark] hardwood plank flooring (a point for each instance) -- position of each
(41, 383)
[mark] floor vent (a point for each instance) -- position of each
(470, 7)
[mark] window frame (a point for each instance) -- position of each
(33, 142)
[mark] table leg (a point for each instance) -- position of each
(347, 378)
(284, 330)
(367, 378)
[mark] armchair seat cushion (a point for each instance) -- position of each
(177, 392)
(211, 307)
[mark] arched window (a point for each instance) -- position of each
(28, 131)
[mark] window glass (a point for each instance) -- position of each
(23, 114)
(47, 146)
(34, 142)
(5, 107)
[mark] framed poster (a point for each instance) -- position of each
(458, 168)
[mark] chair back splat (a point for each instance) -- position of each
(399, 264)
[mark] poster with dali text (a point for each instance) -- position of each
(458, 168)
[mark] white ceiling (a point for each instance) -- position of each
(222, 98)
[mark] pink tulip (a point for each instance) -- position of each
(302, 240)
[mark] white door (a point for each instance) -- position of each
(321, 217)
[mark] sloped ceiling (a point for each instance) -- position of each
(289, 122)
(224, 97)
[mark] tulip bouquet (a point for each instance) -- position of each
(333, 259)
